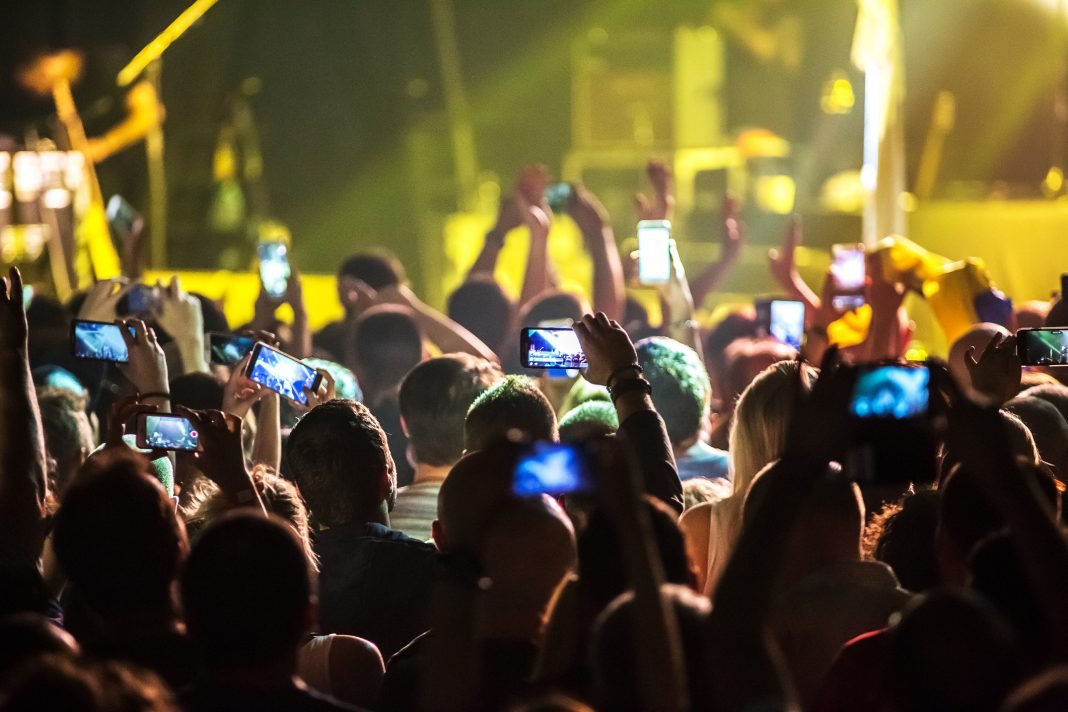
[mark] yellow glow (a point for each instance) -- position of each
(837, 96)
(775, 193)
(1053, 182)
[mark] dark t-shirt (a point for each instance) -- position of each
(211, 696)
(374, 582)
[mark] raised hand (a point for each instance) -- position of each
(587, 212)
(221, 457)
(146, 368)
(997, 372)
(240, 392)
(13, 329)
(606, 345)
(662, 205)
(179, 313)
(781, 260)
(327, 391)
(820, 425)
(102, 301)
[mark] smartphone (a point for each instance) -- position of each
(849, 272)
(99, 341)
(1042, 347)
(166, 432)
(140, 299)
(550, 347)
(557, 195)
(121, 215)
(228, 349)
(274, 267)
(894, 391)
(783, 319)
(282, 373)
(654, 251)
(552, 469)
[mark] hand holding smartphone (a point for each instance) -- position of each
(282, 373)
(551, 347)
(782, 319)
(1042, 347)
(166, 432)
(228, 349)
(849, 272)
(274, 267)
(99, 341)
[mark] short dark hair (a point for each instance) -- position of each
(734, 326)
(246, 589)
(66, 427)
(386, 343)
(550, 306)
(434, 399)
(482, 307)
(515, 403)
(337, 454)
(377, 269)
(906, 542)
(199, 391)
(1056, 394)
(116, 535)
(681, 390)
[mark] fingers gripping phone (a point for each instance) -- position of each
(99, 341)
(274, 267)
(1042, 347)
(551, 347)
(282, 373)
(654, 251)
(227, 349)
(166, 432)
(849, 272)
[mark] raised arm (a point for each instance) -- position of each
(443, 332)
(592, 220)
(221, 457)
(680, 312)
(181, 316)
(23, 482)
(783, 267)
(712, 277)
(509, 217)
(535, 212)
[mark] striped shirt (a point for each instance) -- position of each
(416, 509)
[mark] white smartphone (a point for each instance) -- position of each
(654, 251)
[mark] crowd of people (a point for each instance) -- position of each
(732, 536)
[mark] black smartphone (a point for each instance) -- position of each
(557, 195)
(891, 391)
(140, 299)
(282, 373)
(782, 319)
(228, 349)
(550, 347)
(849, 272)
(1042, 347)
(552, 469)
(166, 432)
(99, 341)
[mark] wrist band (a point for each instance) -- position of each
(156, 394)
(630, 384)
(629, 367)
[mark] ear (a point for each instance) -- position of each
(404, 427)
(437, 533)
(386, 487)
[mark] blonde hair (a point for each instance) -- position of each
(280, 497)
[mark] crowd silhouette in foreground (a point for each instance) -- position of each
(720, 528)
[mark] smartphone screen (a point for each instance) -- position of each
(99, 341)
(228, 349)
(849, 272)
(282, 373)
(166, 432)
(557, 195)
(551, 468)
(654, 251)
(891, 391)
(274, 267)
(140, 299)
(1042, 347)
(783, 319)
(121, 215)
(550, 347)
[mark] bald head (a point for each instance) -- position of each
(477, 485)
(978, 337)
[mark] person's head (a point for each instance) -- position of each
(1023, 445)
(514, 403)
(552, 306)
(280, 497)
(386, 343)
(476, 488)
(1055, 394)
(592, 419)
(762, 417)
(701, 490)
(338, 456)
(977, 337)
(481, 306)
(681, 390)
(1058, 312)
(64, 682)
(67, 433)
(744, 360)
(117, 537)
(1047, 426)
(616, 649)
(434, 399)
(1032, 314)
(602, 564)
(827, 531)
(360, 276)
(199, 391)
(25, 636)
(734, 326)
(247, 593)
(951, 652)
(906, 540)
